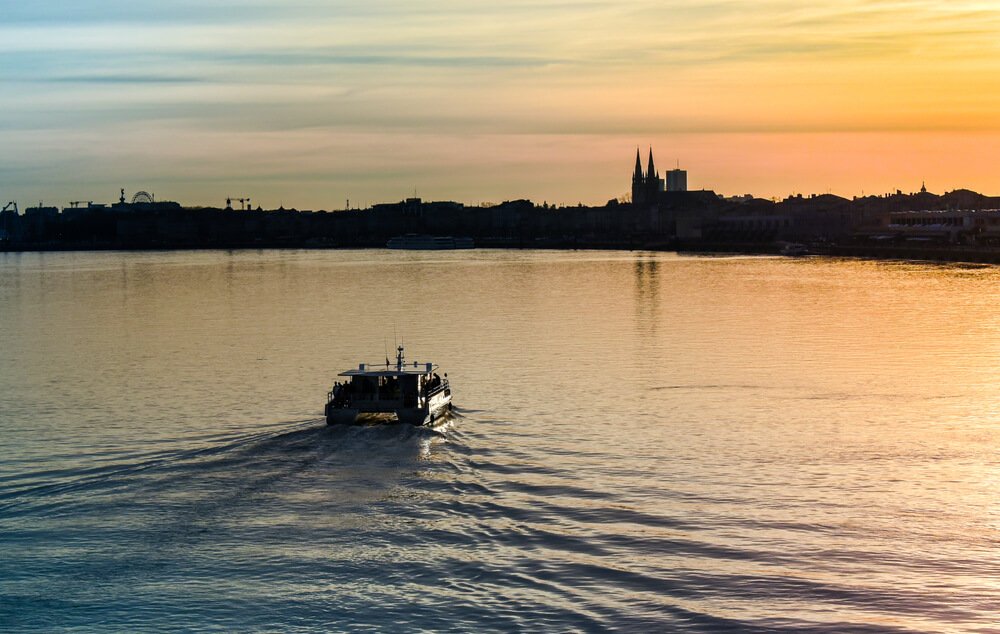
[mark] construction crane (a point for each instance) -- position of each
(244, 203)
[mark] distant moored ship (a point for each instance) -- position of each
(429, 243)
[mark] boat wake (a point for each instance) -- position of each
(289, 447)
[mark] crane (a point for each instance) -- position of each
(244, 203)
(11, 204)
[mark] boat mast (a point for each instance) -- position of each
(399, 358)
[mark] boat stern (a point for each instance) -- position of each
(415, 416)
(341, 416)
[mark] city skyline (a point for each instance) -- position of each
(308, 106)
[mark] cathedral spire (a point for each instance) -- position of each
(651, 171)
(637, 175)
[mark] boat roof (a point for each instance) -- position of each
(372, 370)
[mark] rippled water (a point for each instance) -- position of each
(643, 442)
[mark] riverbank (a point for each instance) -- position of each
(937, 253)
(930, 253)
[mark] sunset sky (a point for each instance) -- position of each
(307, 103)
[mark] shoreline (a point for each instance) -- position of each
(953, 253)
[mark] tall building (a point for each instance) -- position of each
(646, 187)
(677, 180)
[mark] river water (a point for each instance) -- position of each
(643, 441)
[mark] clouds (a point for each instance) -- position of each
(94, 71)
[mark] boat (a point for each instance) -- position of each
(429, 243)
(407, 392)
(794, 249)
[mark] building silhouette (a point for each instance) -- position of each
(677, 180)
(646, 187)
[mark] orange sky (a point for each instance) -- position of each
(305, 105)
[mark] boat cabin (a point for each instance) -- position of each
(388, 386)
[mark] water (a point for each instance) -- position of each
(643, 442)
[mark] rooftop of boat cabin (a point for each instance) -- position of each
(391, 369)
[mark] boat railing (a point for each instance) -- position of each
(394, 366)
(379, 401)
(443, 386)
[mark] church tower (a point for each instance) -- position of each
(652, 179)
(646, 187)
(638, 180)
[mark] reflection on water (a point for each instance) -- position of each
(646, 292)
(643, 440)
